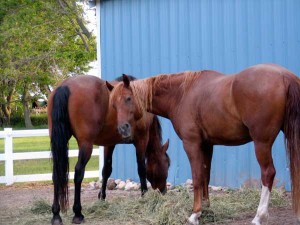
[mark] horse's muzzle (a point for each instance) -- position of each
(164, 191)
(125, 130)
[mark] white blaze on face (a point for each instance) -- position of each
(194, 218)
(262, 210)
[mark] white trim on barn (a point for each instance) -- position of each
(98, 36)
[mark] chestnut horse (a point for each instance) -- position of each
(208, 108)
(80, 106)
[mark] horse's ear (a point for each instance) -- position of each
(166, 146)
(126, 80)
(109, 86)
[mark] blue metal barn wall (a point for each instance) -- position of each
(149, 37)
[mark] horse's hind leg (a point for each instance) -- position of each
(85, 151)
(264, 158)
(107, 169)
(56, 219)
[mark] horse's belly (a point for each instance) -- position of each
(232, 141)
(229, 135)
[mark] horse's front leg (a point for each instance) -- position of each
(208, 152)
(140, 157)
(107, 169)
(85, 151)
(196, 157)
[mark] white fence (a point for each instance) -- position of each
(9, 156)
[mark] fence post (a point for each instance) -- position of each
(101, 161)
(9, 163)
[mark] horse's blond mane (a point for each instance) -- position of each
(182, 80)
(142, 92)
(143, 89)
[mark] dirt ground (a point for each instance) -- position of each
(14, 199)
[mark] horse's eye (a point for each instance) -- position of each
(128, 99)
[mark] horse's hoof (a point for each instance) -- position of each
(78, 219)
(56, 220)
(206, 203)
(194, 219)
(256, 221)
(192, 223)
(143, 192)
(101, 196)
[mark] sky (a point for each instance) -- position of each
(90, 16)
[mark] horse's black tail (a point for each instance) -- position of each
(292, 135)
(60, 135)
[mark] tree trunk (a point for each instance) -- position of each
(25, 102)
(5, 115)
(5, 100)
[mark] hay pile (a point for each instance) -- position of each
(171, 209)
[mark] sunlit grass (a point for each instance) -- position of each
(31, 144)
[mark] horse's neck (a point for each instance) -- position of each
(166, 93)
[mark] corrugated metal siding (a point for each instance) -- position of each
(149, 37)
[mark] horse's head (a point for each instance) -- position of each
(128, 103)
(158, 163)
(124, 102)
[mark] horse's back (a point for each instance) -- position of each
(259, 94)
(88, 104)
(238, 103)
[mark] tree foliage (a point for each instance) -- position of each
(41, 43)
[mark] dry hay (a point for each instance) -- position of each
(170, 209)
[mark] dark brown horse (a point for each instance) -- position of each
(208, 108)
(80, 106)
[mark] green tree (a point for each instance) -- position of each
(41, 43)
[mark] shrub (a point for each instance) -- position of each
(39, 119)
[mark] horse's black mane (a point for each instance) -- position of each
(131, 78)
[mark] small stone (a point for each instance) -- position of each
(136, 186)
(117, 181)
(189, 182)
(111, 185)
(128, 180)
(169, 186)
(121, 185)
(98, 184)
(216, 188)
(129, 186)
(92, 185)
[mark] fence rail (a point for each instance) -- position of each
(9, 156)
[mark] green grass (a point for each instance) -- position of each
(31, 144)
(34, 166)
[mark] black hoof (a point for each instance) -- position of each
(143, 192)
(56, 220)
(101, 197)
(78, 219)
